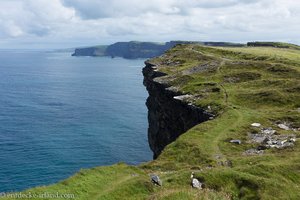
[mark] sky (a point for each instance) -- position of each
(74, 23)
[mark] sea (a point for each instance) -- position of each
(60, 114)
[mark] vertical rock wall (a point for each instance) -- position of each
(168, 117)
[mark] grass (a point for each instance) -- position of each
(275, 44)
(242, 86)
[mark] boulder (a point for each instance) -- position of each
(196, 183)
(256, 124)
(236, 141)
(156, 180)
(284, 127)
(268, 131)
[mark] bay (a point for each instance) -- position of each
(59, 114)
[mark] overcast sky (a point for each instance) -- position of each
(72, 23)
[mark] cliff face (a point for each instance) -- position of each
(168, 116)
(128, 50)
(90, 51)
(133, 50)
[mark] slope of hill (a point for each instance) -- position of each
(273, 44)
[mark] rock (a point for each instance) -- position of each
(182, 97)
(284, 127)
(253, 152)
(168, 117)
(280, 141)
(261, 147)
(196, 183)
(156, 180)
(173, 89)
(268, 139)
(236, 141)
(256, 124)
(228, 163)
(268, 131)
(258, 138)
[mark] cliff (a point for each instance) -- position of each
(168, 115)
(90, 51)
(128, 50)
(248, 149)
(134, 49)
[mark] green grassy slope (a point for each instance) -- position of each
(274, 44)
(242, 86)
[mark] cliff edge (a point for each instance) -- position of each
(169, 115)
(225, 119)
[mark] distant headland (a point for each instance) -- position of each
(134, 49)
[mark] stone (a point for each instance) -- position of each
(261, 147)
(228, 163)
(168, 117)
(258, 138)
(284, 127)
(256, 124)
(236, 141)
(292, 140)
(268, 131)
(156, 180)
(196, 183)
(253, 152)
(280, 141)
(182, 97)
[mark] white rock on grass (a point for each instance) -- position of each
(156, 180)
(196, 183)
(256, 124)
(284, 127)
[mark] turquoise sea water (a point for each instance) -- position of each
(59, 114)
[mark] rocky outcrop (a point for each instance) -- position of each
(90, 51)
(168, 115)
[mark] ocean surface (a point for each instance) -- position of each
(59, 114)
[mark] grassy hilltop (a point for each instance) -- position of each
(241, 85)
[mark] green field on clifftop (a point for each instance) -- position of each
(240, 86)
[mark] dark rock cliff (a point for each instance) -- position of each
(168, 117)
(90, 51)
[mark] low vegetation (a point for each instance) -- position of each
(273, 44)
(241, 85)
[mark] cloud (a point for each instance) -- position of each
(84, 22)
(37, 17)
(95, 9)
